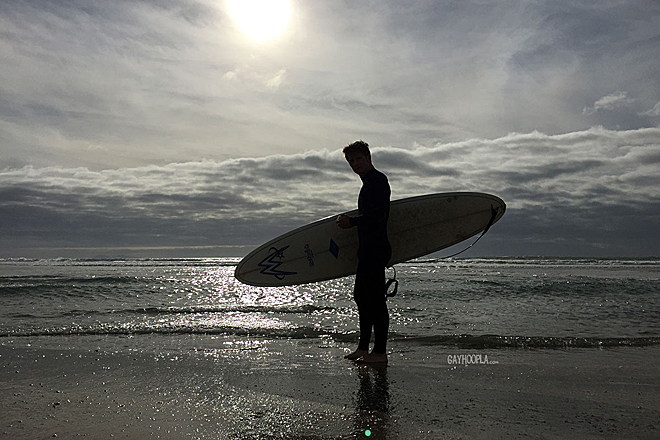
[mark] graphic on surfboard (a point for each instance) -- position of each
(322, 250)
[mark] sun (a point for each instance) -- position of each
(261, 20)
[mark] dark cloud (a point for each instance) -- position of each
(587, 193)
(409, 163)
(549, 172)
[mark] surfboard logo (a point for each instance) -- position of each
(334, 249)
(270, 265)
(310, 254)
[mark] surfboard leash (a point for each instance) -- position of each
(394, 281)
(493, 216)
(389, 282)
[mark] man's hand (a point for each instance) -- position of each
(344, 221)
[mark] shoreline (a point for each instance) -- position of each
(251, 388)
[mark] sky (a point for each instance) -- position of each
(169, 128)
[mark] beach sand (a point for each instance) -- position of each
(233, 388)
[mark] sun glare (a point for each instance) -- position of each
(261, 20)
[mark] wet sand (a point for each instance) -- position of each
(305, 390)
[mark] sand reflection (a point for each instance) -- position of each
(371, 418)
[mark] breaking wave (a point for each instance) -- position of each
(488, 342)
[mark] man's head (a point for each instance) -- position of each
(358, 157)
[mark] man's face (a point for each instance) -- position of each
(359, 163)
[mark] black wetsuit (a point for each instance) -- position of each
(373, 254)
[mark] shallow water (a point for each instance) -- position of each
(483, 303)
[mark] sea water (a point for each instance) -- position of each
(480, 303)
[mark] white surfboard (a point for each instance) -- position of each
(322, 250)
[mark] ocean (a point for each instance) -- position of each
(478, 313)
(485, 302)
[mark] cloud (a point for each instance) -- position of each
(655, 111)
(150, 82)
(610, 102)
(155, 124)
(591, 192)
(275, 82)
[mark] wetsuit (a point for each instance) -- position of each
(373, 254)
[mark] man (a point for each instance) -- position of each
(373, 253)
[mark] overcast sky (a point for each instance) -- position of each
(160, 127)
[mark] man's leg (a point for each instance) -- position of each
(380, 316)
(361, 296)
(373, 282)
(381, 319)
(365, 313)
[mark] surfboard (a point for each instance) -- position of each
(323, 251)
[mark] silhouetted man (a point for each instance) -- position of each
(373, 253)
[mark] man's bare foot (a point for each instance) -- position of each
(356, 354)
(373, 358)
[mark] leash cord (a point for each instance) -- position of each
(394, 281)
